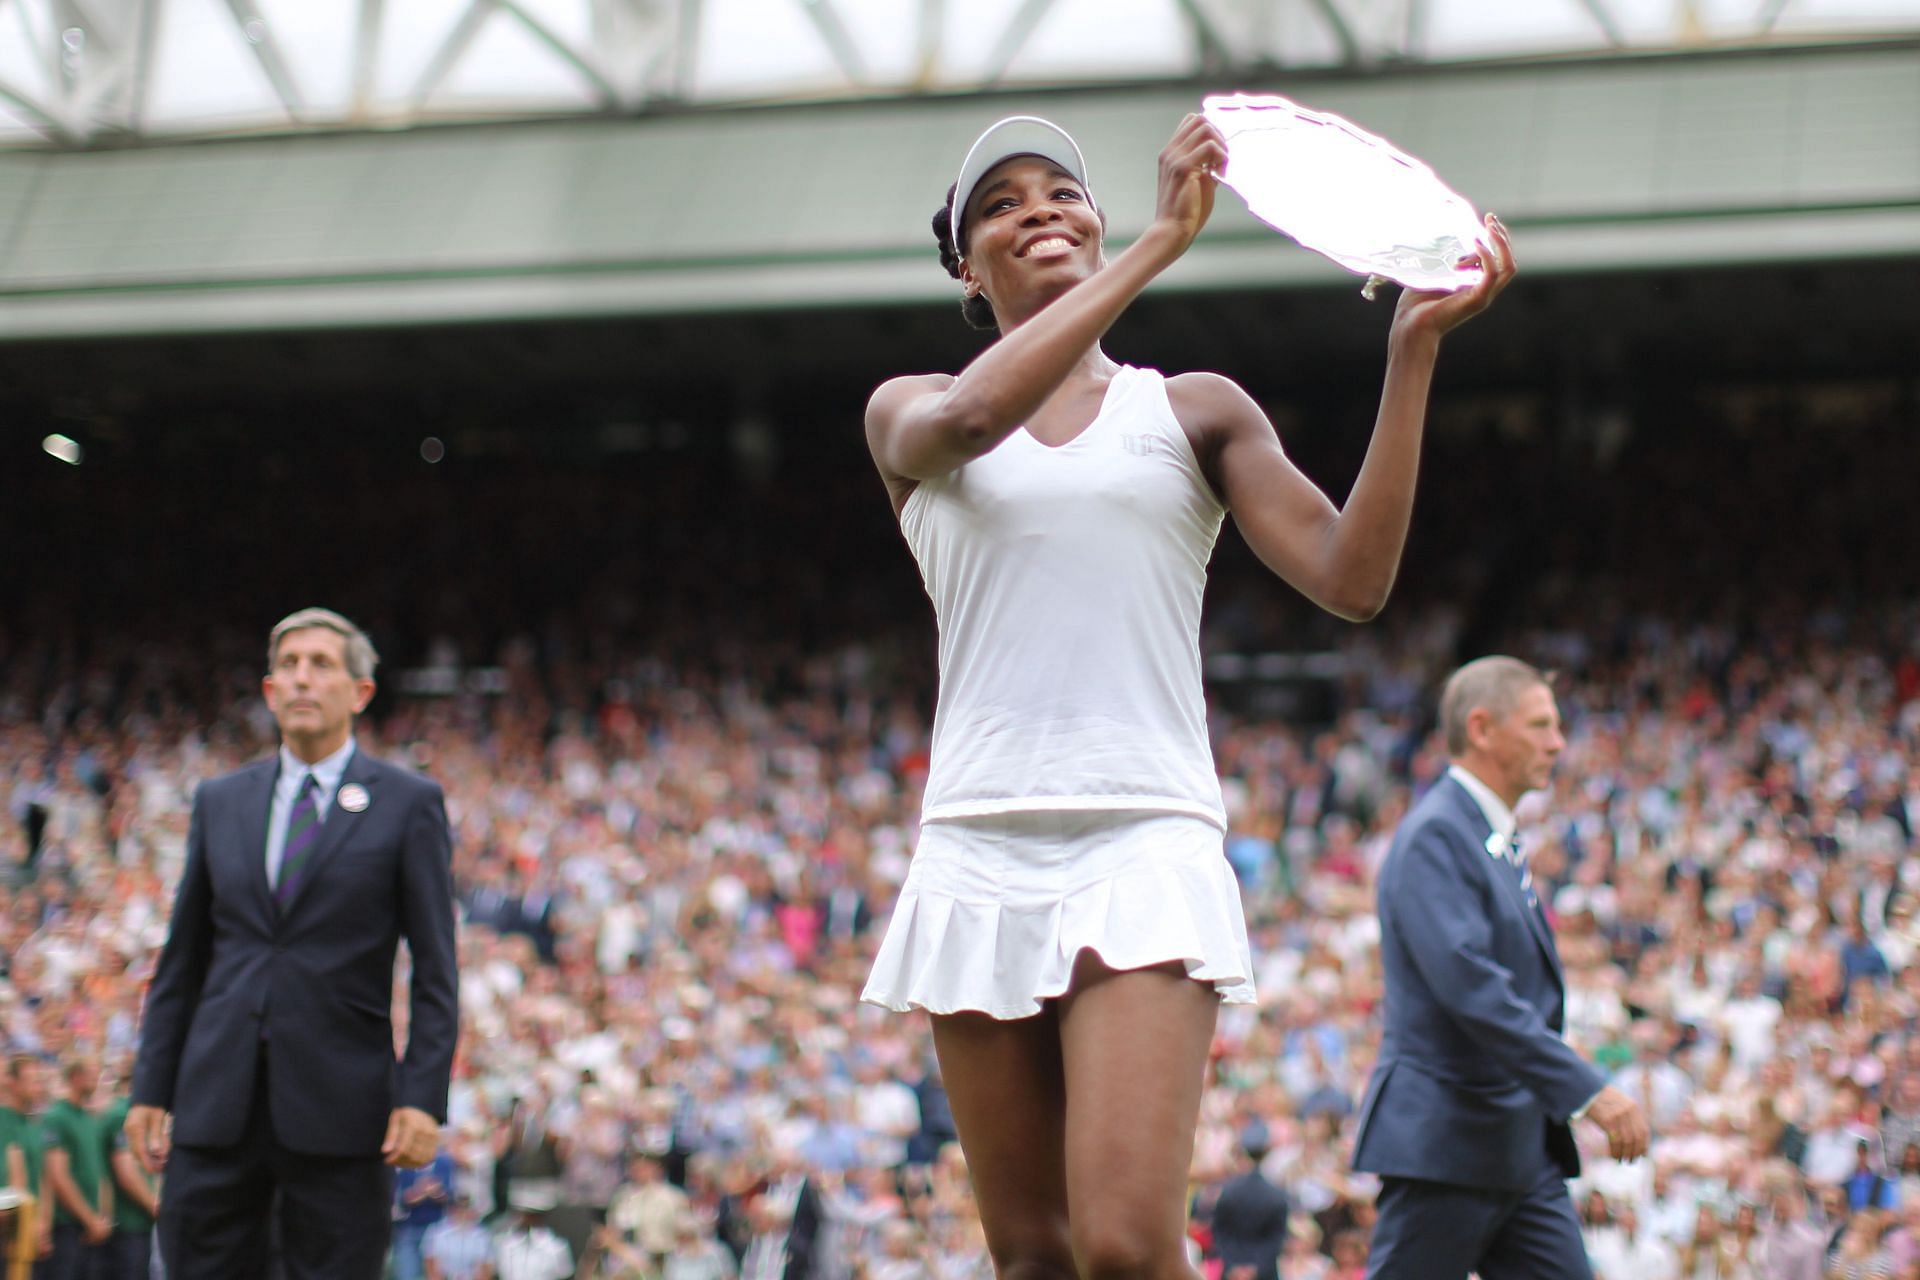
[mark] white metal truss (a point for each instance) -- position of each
(76, 72)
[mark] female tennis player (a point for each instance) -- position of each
(1070, 920)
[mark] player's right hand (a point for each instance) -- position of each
(149, 1136)
(1621, 1119)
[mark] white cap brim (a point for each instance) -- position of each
(1014, 136)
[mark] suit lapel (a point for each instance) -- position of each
(1537, 917)
(1505, 875)
(338, 826)
(256, 811)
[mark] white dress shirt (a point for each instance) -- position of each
(1498, 814)
(286, 790)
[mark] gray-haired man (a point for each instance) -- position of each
(268, 1032)
(1468, 1117)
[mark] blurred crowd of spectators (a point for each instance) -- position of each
(675, 855)
(670, 903)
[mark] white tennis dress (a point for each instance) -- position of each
(1071, 802)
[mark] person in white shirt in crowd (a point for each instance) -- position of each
(1671, 1210)
(1833, 1146)
(1702, 1150)
(647, 1209)
(765, 1257)
(529, 1249)
(903, 1254)
(887, 1110)
(1301, 1258)
(1661, 1088)
(1748, 1021)
(459, 1246)
(1698, 997)
(1621, 1250)
(1792, 1243)
(696, 1255)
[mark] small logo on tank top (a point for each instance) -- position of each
(1141, 446)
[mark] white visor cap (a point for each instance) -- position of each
(1014, 136)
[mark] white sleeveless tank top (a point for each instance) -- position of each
(1067, 584)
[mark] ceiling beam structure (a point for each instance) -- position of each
(90, 68)
(1616, 174)
(266, 50)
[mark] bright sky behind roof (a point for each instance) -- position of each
(194, 67)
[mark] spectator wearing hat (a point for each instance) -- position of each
(1250, 1217)
(459, 1246)
(529, 1249)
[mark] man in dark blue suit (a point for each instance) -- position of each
(268, 1031)
(1468, 1116)
(1250, 1216)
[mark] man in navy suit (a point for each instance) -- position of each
(1468, 1116)
(1250, 1217)
(268, 1032)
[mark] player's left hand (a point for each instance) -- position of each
(1434, 313)
(412, 1138)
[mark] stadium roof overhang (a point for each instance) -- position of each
(1599, 164)
(75, 72)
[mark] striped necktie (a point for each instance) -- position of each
(303, 832)
(1519, 860)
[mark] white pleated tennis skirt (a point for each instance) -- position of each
(995, 910)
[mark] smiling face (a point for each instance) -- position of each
(1030, 234)
(312, 694)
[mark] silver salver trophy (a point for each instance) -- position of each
(1346, 193)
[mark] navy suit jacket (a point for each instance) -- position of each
(309, 985)
(1474, 1085)
(1250, 1225)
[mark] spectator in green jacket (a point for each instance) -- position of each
(25, 1096)
(76, 1176)
(135, 1198)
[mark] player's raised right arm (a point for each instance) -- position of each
(925, 426)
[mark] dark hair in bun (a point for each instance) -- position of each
(976, 310)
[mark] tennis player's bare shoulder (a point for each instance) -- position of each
(1212, 409)
(895, 394)
(890, 405)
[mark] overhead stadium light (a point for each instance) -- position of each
(65, 448)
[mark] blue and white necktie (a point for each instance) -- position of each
(1519, 859)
